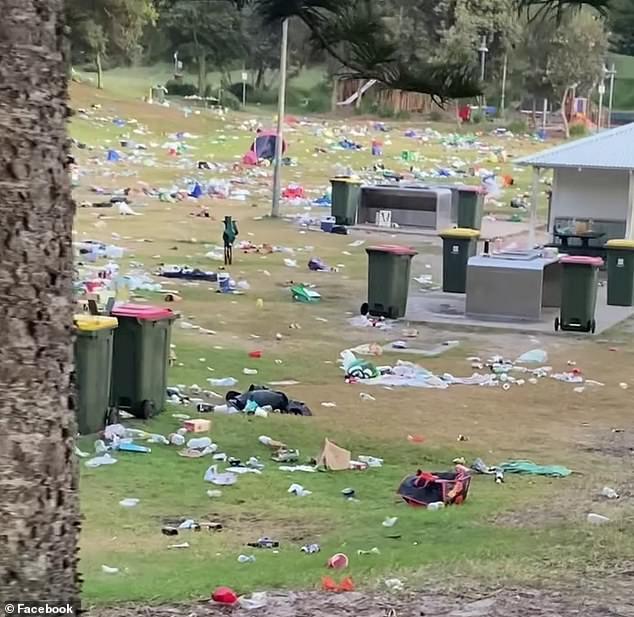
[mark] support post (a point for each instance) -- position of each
(534, 204)
(629, 221)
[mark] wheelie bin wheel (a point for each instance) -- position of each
(147, 409)
(594, 326)
(365, 309)
(556, 324)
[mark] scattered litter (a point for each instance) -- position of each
(225, 595)
(181, 545)
(390, 521)
(528, 467)
(597, 519)
(129, 502)
(534, 356)
(366, 397)
(250, 371)
(98, 461)
(109, 570)
(214, 493)
(257, 600)
(246, 558)
(221, 479)
(394, 584)
(339, 561)
(328, 404)
(298, 490)
(310, 549)
(373, 551)
(610, 493)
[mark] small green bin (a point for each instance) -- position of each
(470, 207)
(346, 194)
(388, 280)
(141, 358)
(93, 363)
(458, 245)
(620, 272)
(579, 284)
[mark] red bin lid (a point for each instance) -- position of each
(142, 311)
(391, 248)
(584, 260)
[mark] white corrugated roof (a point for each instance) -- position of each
(613, 149)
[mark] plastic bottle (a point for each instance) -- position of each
(246, 559)
(436, 505)
(176, 440)
(199, 443)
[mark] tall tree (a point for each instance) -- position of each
(99, 28)
(576, 58)
(38, 479)
(209, 33)
(622, 26)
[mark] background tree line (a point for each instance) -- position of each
(429, 46)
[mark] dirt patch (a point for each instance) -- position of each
(617, 443)
(608, 598)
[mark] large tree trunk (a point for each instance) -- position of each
(38, 480)
(202, 73)
(99, 71)
(564, 115)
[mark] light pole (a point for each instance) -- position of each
(483, 49)
(611, 75)
(504, 71)
(277, 179)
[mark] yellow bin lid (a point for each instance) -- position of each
(90, 323)
(459, 232)
(347, 179)
(620, 244)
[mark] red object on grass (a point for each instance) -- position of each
(224, 595)
(338, 561)
(255, 354)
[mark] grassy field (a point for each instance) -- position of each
(529, 530)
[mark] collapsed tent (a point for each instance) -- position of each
(263, 147)
(333, 457)
(424, 488)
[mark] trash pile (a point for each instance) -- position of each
(502, 373)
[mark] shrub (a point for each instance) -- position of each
(230, 100)
(518, 126)
(578, 129)
(477, 116)
(180, 88)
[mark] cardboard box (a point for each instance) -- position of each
(197, 425)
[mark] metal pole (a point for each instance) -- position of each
(612, 74)
(534, 204)
(277, 179)
(244, 93)
(504, 71)
(483, 54)
(601, 93)
(544, 114)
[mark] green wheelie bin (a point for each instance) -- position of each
(346, 194)
(141, 358)
(388, 280)
(579, 283)
(470, 207)
(458, 245)
(620, 272)
(93, 363)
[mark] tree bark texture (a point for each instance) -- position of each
(99, 71)
(38, 476)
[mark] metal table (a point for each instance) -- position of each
(584, 236)
(512, 286)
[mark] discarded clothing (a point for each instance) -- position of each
(187, 273)
(263, 397)
(528, 467)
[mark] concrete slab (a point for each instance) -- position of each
(490, 230)
(437, 307)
